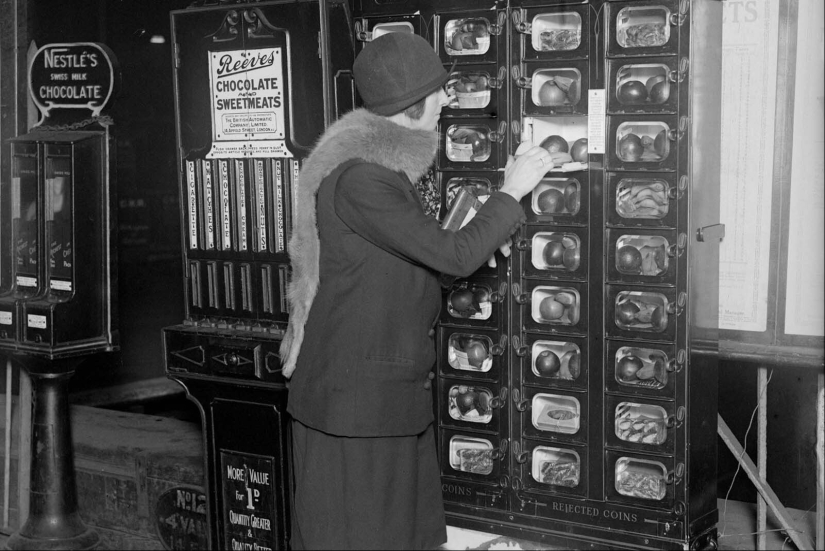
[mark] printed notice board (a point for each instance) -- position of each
(248, 482)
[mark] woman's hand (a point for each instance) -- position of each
(504, 250)
(524, 171)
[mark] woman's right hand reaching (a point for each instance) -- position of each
(525, 170)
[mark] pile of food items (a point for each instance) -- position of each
(473, 460)
(469, 353)
(467, 35)
(637, 313)
(469, 90)
(643, 35)
(640, 428)
(655, 89)
(468, 144)
(642, 485)
(642, 200)
(561, 251)
(559, 307)
(632, 369)
(548, 364)
(633, 149)
(562, 152)
(470, 404)
(559, 40)
(560, 473)
(555, 201)
(646, 260)
(471, 302)
(558, 90)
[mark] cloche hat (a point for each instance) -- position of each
(396, 70)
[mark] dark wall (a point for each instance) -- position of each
(149, 263)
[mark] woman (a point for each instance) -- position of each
(364, 299)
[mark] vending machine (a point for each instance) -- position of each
(255, 85)
(573, 404)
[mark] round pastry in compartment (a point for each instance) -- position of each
(556, 359)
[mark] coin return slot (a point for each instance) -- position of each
(471, 455)
(556, 413)
(195, 284)
(556, 466)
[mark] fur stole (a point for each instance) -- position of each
(359, 134)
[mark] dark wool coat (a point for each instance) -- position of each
(361, 332)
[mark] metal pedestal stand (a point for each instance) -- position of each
(53, 521)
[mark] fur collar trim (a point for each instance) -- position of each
(359, 134)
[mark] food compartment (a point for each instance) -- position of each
(644, 198)
(554, 466)
(381, 29)
(468, 90)
(641, 311)
(556, 32)
(555, 305)
(555, 413)
(470, 301)
(640, 423)
(644, 29)
(473, 404)
(648, 480)
(641, 255)
(639, 367)
(556, 87)
(481, 186)
(553, 359)
(563, 136)
(470, 352)
(643, 142)
(474, 455)
(467, 36)
(468, 143)
(556, 197)
(558, 251)
(643, 87)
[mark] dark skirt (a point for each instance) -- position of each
(366, 493)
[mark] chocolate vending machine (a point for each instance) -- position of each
(573, 404)
(255, 85)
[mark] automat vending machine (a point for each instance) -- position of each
(58, 294)
(573, 404)
(255, 85)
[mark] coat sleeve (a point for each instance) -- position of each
(380, 206)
